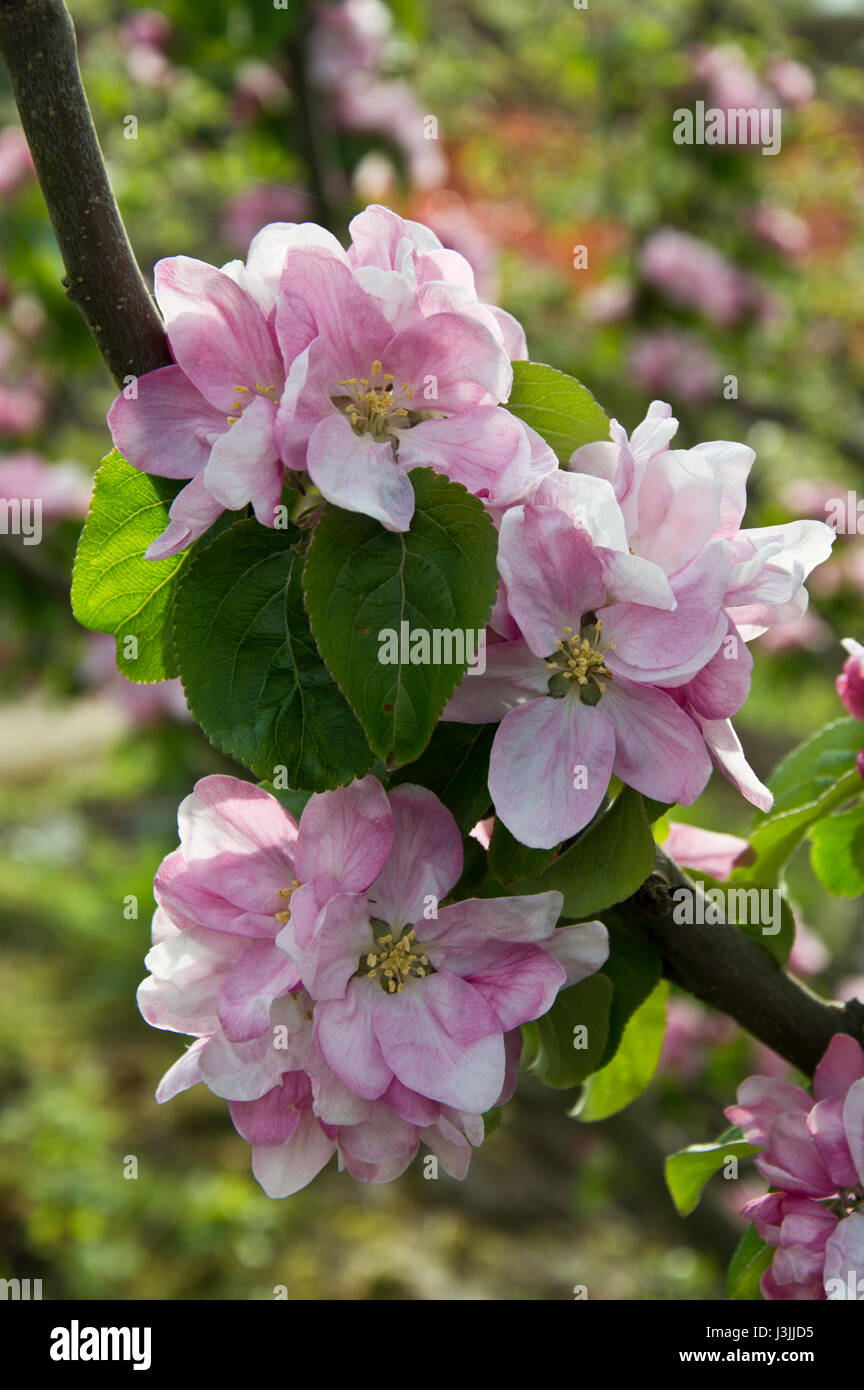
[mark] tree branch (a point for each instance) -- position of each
(37, 44)
(727, 969)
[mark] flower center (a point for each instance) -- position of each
(286, 893)
(578, 663)
(396, 961)
(268, 392)
(849, 1199)
(375, 404)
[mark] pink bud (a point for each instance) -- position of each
(850, 682)
(860, 762)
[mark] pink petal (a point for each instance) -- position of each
(825, 1124)
(728, 756)
(358, 473)
(441, 1038)
(658, 749)
(238, 841)
(244, 465)
(705, 850)
(540, 750)
(192, 512)
(346, 833)
(274, 1118)
(217, 332)
(853, 1121)
(345, 1033)
(844, 1259)
(426, 858)
(284, 1169)
(184, 1073)
(552, 573)
(262, 974)
(841, 1066)
(168, 428)
(513, 676)
(522, 984)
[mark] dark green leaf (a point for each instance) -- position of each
(566, 1044)
(455, 766)
(610, 859)
(362, 581)
(510, 860)
(634, 967)
(253, 676)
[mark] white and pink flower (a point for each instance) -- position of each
(339, 1004)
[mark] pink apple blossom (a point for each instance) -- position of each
(586, 685)
(812, 1153)
(211, 416)
(265, 926)
(695, 275)
(676, 505)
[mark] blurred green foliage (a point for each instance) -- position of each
(557, 126)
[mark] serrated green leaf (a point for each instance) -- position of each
(687, 1172)
(609, 860)
(361, 580)
(114, 589)
(750, 1261)
(634, 1064)
(557, 406)
(252, 674)
(559, 1054)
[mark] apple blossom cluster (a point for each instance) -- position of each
(338, 1003)
(813, 1156)
(351, 367)
(618, 643)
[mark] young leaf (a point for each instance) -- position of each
(252, 674)
(837, 852)
(633, 1065)
(750, 1261)
(114, 589)
(815, 780)
(687, 1172)
(609, 860)
(557, 406)
(375, 594)
(566, 1044)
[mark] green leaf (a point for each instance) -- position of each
(557, 406)
(361, 581)
(608, 861)
(634, 1064)
(815, 780)
(750, 1261)
(455, 766)
(554, 1049)
(509, 860)
(253, 676)
(114, 589)
(687, 1172)
(634, 968)
(837, 852)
